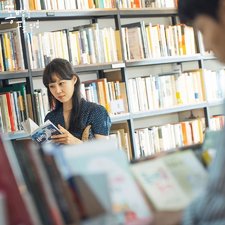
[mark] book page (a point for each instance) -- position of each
(29, 126)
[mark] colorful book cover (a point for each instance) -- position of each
(40, 134)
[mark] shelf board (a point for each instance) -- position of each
(13, 74)
(79, 14)
(163, 60)
(101, 66)
(87, 68)
(209, 57)
(37, 73)
(216, 103)
(67, 14)
(175, 109)
(158, 12)
(120, 117)
(16, 135)
(10, 15)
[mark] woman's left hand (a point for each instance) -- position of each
(65, 138)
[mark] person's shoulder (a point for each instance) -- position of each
(52, 114)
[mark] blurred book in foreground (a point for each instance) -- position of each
(102, 170)
(171, 181)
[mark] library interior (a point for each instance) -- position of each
(112, 112)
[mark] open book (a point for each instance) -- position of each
(40, 134)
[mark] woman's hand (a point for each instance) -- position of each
(65, 138)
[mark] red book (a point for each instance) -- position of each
(14, 192)
(10, 110)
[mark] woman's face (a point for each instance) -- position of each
(62, 90)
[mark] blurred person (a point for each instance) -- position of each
(208, 17)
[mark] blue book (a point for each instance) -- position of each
(40, 134)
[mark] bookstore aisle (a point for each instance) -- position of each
(150, 72)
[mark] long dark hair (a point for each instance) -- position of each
(65, 71)
(188, 10)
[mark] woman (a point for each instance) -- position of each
(73, 115)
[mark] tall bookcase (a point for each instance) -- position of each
(126, 68)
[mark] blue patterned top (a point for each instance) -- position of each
(90, 114)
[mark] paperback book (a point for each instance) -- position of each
(40, 134)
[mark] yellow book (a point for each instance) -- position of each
(8, 56)
(77, 35)
(32, 4)
(2, 68)
(118, 45)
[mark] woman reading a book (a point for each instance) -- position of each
(76, 118)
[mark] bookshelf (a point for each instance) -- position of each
(116, 17)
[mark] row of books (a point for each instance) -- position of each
(44, 47)
(160, 4)
(112, 95)
(8, 5)
(146, 93)
(68, 4)
(41, 104)
(147, 3)
(150, 141)
(88, 46)
(85, 4)
(154, 41)
(92, 44)
(121, 132)
(59, 187)
(11, 53)
(158, 92)
(15, 107)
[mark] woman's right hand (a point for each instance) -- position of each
(65, 138)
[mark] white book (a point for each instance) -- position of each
(149, 93)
